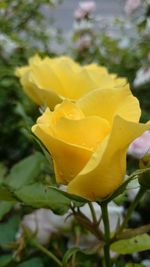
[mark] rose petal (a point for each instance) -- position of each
(109, 102)
(64, 77)
(88, 132)
(105, 170)
(63, 154)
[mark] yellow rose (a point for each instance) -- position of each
(88, 140)
(49, 81)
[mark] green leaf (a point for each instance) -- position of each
(40, 196)
(34, 262)
(26, 171)
(5, 260)
(3, 171)
(43, 148)
(77, 199)
(8, 230)
(144, 180)
(5, 194)
(132, 245)
(5, 207)
(145, 162)
(48, 157)
(119, 263)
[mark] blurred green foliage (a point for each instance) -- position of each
(20, 37)
(121, 44)
(24, 32)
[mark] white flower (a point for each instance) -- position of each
(146, 263)
(115, 214)
(43, 222)
(88, 6)
(7, 44)
(142, 77)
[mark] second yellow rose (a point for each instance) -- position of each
(49, 81)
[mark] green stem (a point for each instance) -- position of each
(92, 212)
(107, 234)
(47, 252)
(131, 209)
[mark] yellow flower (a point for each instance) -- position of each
(88, 140)
(49, 81)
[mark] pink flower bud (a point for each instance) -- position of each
(140, 146)
(88, 6)
(84, 9)
(79, 14)
(131, 5)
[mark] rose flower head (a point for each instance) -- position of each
(49, 81)
(88, 139)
